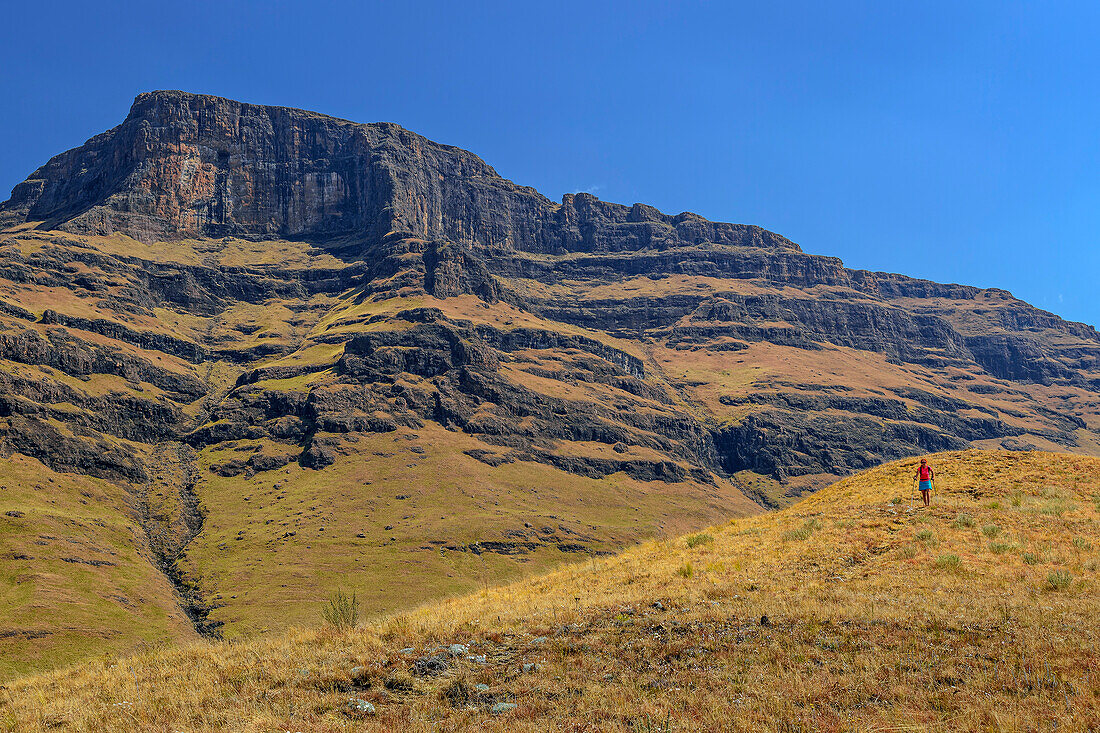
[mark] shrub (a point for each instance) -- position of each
(685, 570)
(991, 530)
(964, 520)
(1058, 580)
(1055, 507)
(907, 552)
(948, 562)
(926, 536)
(1031, 558)
(999, 548)
(1082, 544)
(342, 611)
(804, 532)
(699, 539)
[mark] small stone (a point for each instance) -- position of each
(360, 706)
(531, 667)
(430, 666)
(481, 687)
(479, 659)
(765, 621)
(406, 650)
(502, 707)
(658, 605)
(360, 676)
(361, 535)
(457, 650)
(539, 640)
(389, 527)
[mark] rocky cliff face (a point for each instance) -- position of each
(281, 296)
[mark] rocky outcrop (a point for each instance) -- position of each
(193, 164)
(399, 216)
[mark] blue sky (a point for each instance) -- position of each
(956, 141)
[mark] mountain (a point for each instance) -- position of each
(293, 353)
(854, 609)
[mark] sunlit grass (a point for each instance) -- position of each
(748, 631)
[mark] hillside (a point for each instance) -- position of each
(298, 352)
(852, 609)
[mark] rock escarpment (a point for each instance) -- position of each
(365, 350)
(406, 214)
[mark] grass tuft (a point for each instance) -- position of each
(991, 530)
(964, 520)
(948, 562)
(341, 611)
(702, 538)
(1058, 580)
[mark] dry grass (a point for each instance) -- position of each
(855, 627)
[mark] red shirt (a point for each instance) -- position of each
(926, 473)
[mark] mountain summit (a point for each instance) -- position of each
(290, 352)
(190, 164)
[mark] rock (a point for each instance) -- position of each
(530, 667)
(359, 706)
(430, 666)
(501, 708)
(764, 621)
(658, 605)
(318, 456)
(360, 676)
(458, 650)
(481, 687)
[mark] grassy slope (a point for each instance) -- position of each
(75, 580)
(265, 578)
(881, 615)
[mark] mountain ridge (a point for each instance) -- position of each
(371, 357)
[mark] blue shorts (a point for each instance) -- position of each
(925, 485)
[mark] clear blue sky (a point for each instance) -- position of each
(957, 141)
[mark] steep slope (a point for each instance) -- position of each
(317, 353)
(76, 579)
(854, 609)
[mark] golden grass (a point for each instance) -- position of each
(866, 628)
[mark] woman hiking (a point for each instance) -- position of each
(926, 478)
